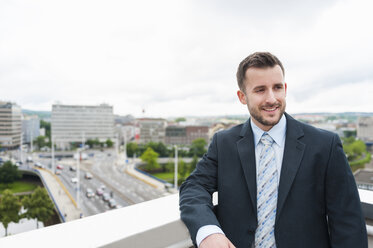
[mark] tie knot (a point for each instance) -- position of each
(266, 139)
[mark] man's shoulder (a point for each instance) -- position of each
(233, 131)
(310, 130)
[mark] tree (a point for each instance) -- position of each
(198, 147)
(40, 141)
(9, 173)
(47, 126)
(180, 119)
(159, 148)
(9, 209)
(182, 168)
(109, 143)
(38, 206)
(131, 149)
(193, 164)
(150, 158)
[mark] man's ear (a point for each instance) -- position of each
(286, 88)
(241, 97)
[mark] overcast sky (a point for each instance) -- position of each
(178, 58)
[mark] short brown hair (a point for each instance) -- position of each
(256, 60)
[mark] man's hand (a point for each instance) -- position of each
(216, 240)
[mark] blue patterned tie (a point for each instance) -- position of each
(266, 195)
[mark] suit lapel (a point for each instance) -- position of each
(246, 151)
(292, 158)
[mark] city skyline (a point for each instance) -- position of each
(180, 58)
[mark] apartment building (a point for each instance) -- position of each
(77, 123)
(365, 128)
(10, 125)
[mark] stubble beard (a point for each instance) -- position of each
(255, 114)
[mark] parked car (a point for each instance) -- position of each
(88, 175)
(103, 187)
(99, 191)
(60, 166)
(89, 193)
(29, 160)
(57, 172)
(112, 203)
(74, 180)
(71, 168)
(105, 197)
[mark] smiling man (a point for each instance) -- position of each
(281, 183)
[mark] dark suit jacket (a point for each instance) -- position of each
(318, 203)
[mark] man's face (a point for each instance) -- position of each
(265, 93)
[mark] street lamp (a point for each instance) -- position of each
(176, 162)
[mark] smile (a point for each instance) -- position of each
(270, 109)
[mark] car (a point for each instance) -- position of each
(39, 165)
(105, 197)
(89, 193)
(60, 166)
(71, 168)
(99, 192)
(103, 187)
(88, 175)
(112, 203)
(74, 180)
(29, 160)
(18, 163)
(57, 172)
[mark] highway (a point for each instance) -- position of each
(125, 189)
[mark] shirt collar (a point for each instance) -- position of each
(277, 132)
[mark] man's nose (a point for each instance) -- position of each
(270, 98)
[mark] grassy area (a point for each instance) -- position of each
(167, 176)
(18, 186)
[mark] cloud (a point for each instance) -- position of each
(179, 57)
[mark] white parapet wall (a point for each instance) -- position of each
(154, 223)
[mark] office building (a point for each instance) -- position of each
(78, 123)
(151, 129)
(30, 128)
(10, 125)
(365, 128)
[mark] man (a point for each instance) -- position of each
(280, 183)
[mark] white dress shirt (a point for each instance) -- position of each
(278, 134)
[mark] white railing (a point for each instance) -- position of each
(150, 224)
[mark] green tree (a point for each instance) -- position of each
(182, 168)
(9, 173)
(193, 164)
(40, 141)
(180, 119)
(170, 166)
(159, 148)
(150, 158)
(38, 206)
(9, 209)
(198, 147)
(131, 149)
(109, 143)
(47, 126)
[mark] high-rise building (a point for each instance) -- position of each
(10, 125)
(77, 123)
(30, 128)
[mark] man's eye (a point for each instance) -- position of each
(259, 90)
